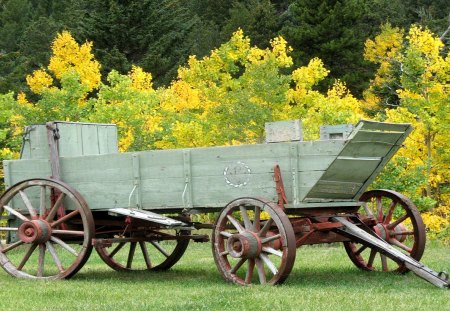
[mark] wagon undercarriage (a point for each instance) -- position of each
(291, 194)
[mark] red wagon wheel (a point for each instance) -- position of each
(395, 219)
(253, 242)
(39, 242)
(160, 253)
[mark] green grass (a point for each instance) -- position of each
(323, 279)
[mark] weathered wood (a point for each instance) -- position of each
(211, 177)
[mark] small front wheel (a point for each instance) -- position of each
(253, 242)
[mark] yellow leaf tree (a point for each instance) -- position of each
(416, 68)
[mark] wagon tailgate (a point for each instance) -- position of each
(370, 146)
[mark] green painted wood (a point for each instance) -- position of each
(368, 149)
(210, 177)
(384, 126)
(76, 139)
(382, 137)
(35, 145)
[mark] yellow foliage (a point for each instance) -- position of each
(386, 45)
(68, 55)
(280, 50)
(141, 80)
(39, 81)
(126, 140)
(180, 96)
(306, 77)
(424, 41)
(437, 223)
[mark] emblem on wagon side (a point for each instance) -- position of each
(237, 174)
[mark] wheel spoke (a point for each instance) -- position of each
(379, 209)
(360, 250)
(400, 245)
(270, 238)
(273, 251)
(237, 266)
(384, 263)
(393, 234)
(397, 222)
(367, 209)
(247, 223)
(257, 221)
(12, 246)
(68, 232)
(27, 256)
(118, 248)
(8, 229)
(261, 272)
(235, 223)
(64, 245)
(373, 253)
(269, 263)
(224, 253)
(225, 234)
(41, 260)
(64, 218)
(131, 254)
(42, 206)
(55, 257)
(159, 247)
(15, 213)
(55, 207)
(27, 202)
(388, 217)
(249, 273)
(144, 250)
(266, 227)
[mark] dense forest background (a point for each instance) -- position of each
(159, 35)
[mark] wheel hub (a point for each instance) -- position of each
(387, 234)
(244, 245)
(35, 231)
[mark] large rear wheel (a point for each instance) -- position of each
(49, 230)
(395, 219)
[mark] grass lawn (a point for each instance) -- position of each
(323, 279)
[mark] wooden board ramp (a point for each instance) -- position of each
(370, 146)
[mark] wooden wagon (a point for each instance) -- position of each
(72, 191)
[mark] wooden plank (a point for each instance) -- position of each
(351, 169)
(323, 147)
(107, 139)
(366, 149)
(161, 163)
(90, 139)
(384, 126)
(375, 137)
(334, 189)
(35, 144)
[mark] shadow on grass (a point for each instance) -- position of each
(323, 277)
(172, 275)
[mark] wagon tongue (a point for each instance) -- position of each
(438, 279)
